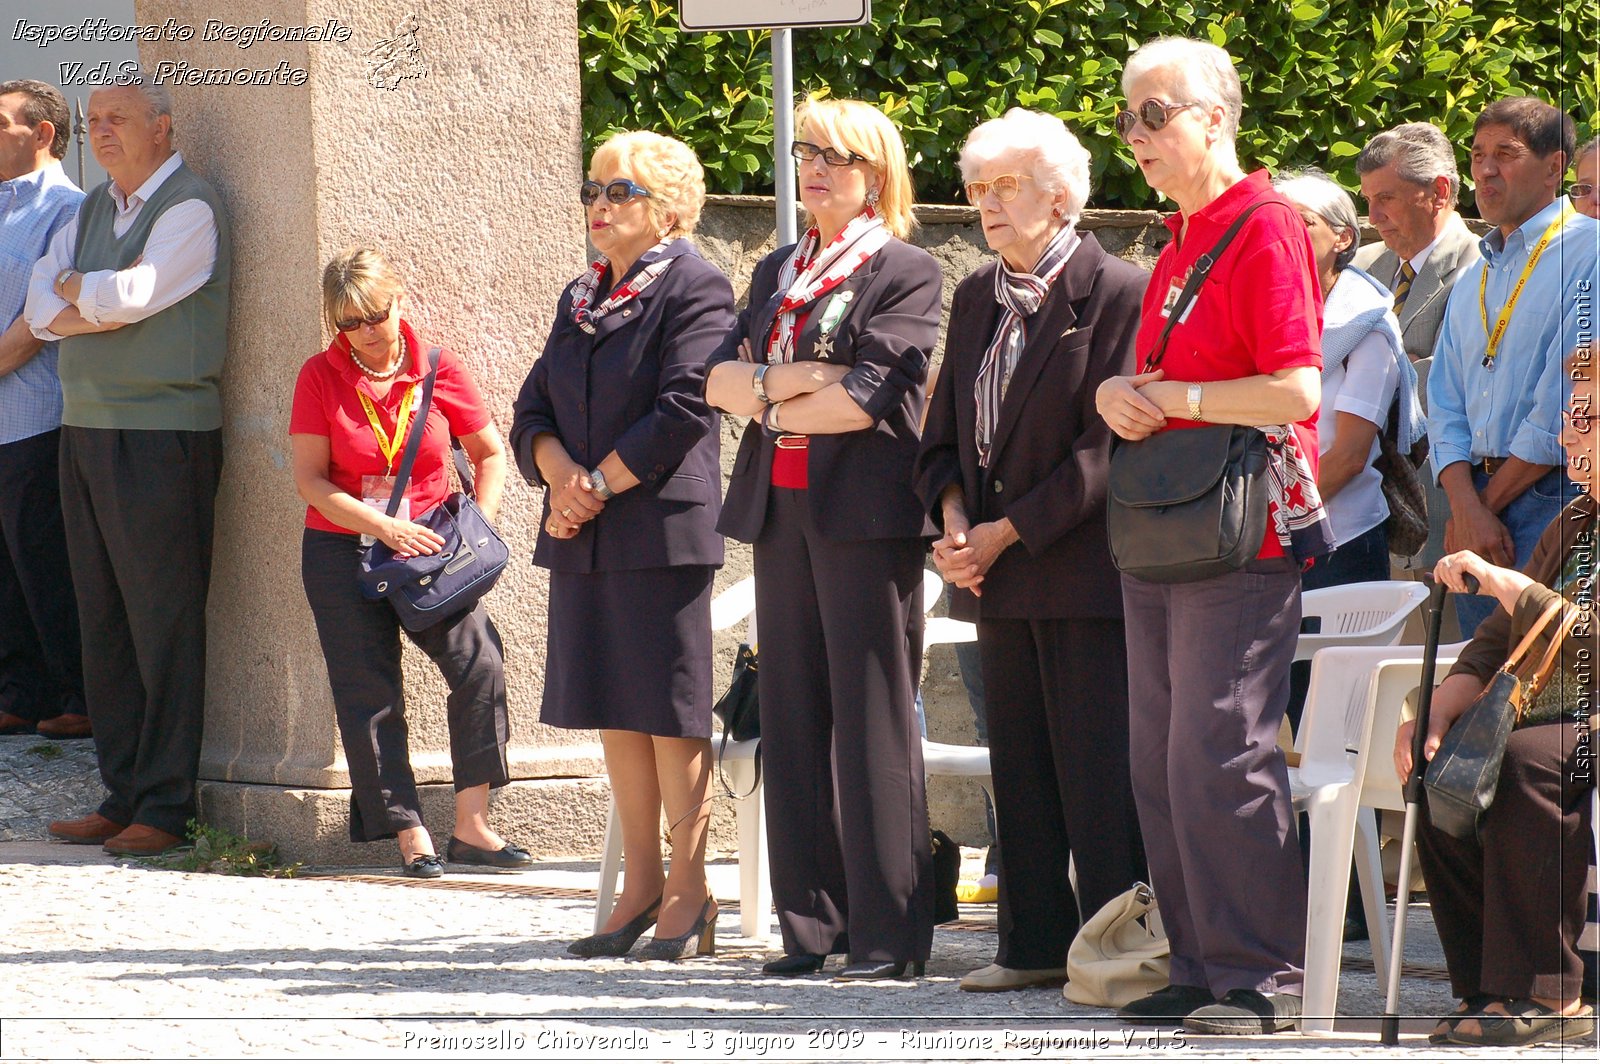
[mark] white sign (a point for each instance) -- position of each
(701, 15)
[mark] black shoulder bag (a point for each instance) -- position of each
(1192, 504)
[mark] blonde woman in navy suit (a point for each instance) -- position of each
(830, 360)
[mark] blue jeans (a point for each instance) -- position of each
(1526, 519)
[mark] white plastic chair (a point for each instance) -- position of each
(951, 759)
(1369, 615)
(1353, 709)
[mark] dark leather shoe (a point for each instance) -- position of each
(507, 856)
(880, 970)
(11, 724)
(795, 964)
(66, 726)
(1246, 1012)
(424, 866)
(1167, 1007)
(141, 840)
(91, 830)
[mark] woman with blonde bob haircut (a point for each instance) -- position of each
(613, 424)
(830, 361)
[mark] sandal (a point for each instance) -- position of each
(1527, 1023)
(1470, 1004)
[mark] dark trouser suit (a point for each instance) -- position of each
(1208, 675)
(1057, 694)
(361, 643)
(41, 654)
(840, 625)
(138, 508)
(1510, 904)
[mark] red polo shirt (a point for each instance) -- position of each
(326, 404)
(1259, 311)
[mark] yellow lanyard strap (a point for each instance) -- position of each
(390, 447)
(1516, 293)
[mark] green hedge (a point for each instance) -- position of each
(1320, 76)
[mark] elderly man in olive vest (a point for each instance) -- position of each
(136, 290)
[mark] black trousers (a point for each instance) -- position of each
(41, 653)
(1057, 697)
(847, 814)
(138, 507)
(1511, 903)
(361, 643)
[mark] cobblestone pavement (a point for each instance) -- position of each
(43, 780)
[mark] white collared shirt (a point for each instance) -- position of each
(1417, 261)
(178, 258)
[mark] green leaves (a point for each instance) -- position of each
(1320, 76)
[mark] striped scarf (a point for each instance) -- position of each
(1021, 295)
(583, 289)
(1298, 516)
(808, 275)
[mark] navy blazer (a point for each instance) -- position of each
(859, 482)
(1051, 454)
(637, 387)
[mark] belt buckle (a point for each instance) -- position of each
(799, 442)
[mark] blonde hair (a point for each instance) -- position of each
(358, 279)
(667, 167)
(858, 127)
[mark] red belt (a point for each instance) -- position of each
(790, 462)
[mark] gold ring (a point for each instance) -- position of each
(566, 511)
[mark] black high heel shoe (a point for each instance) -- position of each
(795, 964)
(616, 943)
(880, 970)
(699, 939)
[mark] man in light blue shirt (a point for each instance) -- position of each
(1497, 387)
(41, 666)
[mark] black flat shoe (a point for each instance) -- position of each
(424, 866)
(698, 940)
(880, 970)
(507, 856)
(1167, 1007)
(795, 964)
(616, 943)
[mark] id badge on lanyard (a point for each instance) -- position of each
(377, 490)
(1171, 301)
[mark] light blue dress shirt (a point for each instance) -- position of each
(32, 208)
(1514, 408)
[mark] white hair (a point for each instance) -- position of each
(1322, 196)
(1042, 144)
(1200, 69)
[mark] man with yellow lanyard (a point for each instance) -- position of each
(1497, 387)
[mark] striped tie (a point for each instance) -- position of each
(1402, 286)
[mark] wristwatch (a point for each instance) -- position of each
(601, 490)
(1194, 403)
(759, 388)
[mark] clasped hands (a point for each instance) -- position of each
(1128, 406)
(965, 553)
(573, 502)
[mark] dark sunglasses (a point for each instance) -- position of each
(619, 191)
(352, 324)
(1152, 113)
(805, 151)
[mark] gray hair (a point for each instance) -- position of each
(1204, 71)
(1420, 154)
(1322, 196)
(156, 96)
(1057, 162)
(1589, 148)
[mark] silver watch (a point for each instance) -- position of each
(758, 387)
(601, 489)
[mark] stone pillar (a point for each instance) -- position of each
(455, 147)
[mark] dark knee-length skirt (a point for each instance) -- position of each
(631, 651)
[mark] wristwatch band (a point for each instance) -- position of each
(1194, 403)
(758, 387)
(602, 490)
(61, 278)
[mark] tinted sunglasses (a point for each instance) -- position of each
(1153, 114)
(805, 151)
(352, 324)
(619, 191)
(1583, 191)
(1005, 188)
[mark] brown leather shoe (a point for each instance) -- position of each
(91, 830)
(141, 840)
(11, 724)
(66, 726)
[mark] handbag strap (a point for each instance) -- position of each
(419, 424)
(1191, 288)
(1547, 663)
(722, 774)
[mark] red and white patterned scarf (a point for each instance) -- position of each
(583, 289)
(809, 275)
(1020, 295)
(1298, 516)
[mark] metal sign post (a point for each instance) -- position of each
(783, 134)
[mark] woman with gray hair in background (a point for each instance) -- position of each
(1013, 465)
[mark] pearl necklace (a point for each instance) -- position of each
(373, 374)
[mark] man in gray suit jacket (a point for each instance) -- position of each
(1410, 182)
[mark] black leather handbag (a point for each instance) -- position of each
(739, 711)
(429, 588)
(1188, 504)
(1465, 771)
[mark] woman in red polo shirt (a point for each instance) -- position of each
(353, 405)
(1208, 661)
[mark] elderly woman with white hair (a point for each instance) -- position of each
(1013, 466)
(1209, 657)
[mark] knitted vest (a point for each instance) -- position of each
(162, 372)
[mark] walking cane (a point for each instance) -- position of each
(1390, 1034)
